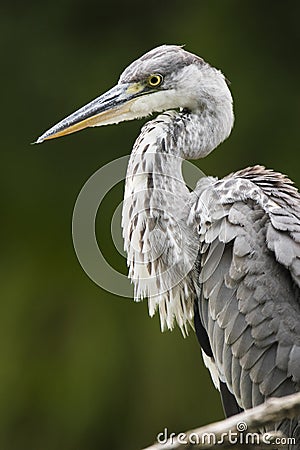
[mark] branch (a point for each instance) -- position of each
(239, 426)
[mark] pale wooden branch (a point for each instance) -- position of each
(270, 412)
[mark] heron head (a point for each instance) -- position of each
(166, 77)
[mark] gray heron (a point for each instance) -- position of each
(224, 258)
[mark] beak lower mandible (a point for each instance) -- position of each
(112, 107)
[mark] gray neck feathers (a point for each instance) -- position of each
(161, 248)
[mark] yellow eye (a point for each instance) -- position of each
(154, 80)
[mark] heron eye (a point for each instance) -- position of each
(154, 80)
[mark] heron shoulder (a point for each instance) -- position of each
(248, 226)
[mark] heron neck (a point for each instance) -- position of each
(156, 159)
(154, 167)
(199, 132)
(160, 249)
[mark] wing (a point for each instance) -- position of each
(249, 228)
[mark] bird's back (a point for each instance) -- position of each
(249, 306)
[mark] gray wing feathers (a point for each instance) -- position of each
(250, 268)
(281, 202)
(285, 248)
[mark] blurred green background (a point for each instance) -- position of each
(81, 369)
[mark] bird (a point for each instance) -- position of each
(222, 259)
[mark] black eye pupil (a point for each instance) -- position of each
(154, 80)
